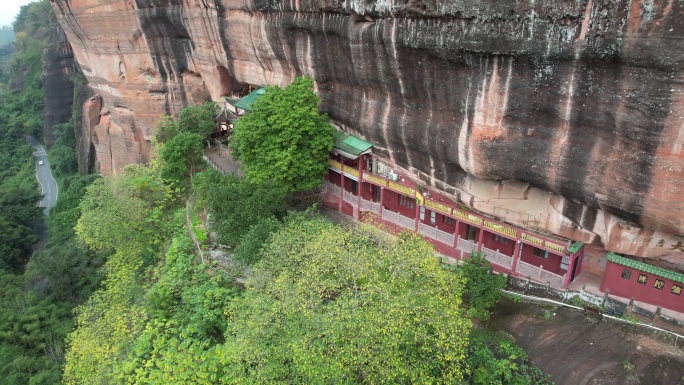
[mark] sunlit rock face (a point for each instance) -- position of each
(580, 102)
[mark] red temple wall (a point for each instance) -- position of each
(391, 202)
(631, 288)
(552, 263)
(504, 247)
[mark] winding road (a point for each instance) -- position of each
(47, 183)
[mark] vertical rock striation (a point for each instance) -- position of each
(58, 68)
(581, 102)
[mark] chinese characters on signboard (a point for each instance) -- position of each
(659, 284)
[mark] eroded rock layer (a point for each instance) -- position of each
(582, 98)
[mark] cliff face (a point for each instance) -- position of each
(582, 98)
(59, 66)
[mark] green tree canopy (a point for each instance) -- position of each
(483, 289)
(198, 119)
(284, 140)
(181, 156)
(237, 204)
(344, 306)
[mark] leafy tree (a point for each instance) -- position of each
(166, 129)
(284, 140)
(181, 156)
(124, 211)
(333, 305)
(251, 243)
(15, 243)
(482, 288)
(128, 218)
(198, 119)
(237, 204)
(31, 334)
(494, 360)
(62, 155)
(33, 16)
(179, 344)
(19, 195)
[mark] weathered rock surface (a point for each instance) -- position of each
(583, 98)
(59, 66)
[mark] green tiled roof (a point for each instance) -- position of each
(575, 247)
(247, 102)
(350, 143)
(636, 265)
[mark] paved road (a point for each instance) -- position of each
(44, 175)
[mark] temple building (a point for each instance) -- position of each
(358, 182)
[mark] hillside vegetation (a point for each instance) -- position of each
(38, 290)
(321, 304)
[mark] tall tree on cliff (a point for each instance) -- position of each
(197, 119)
(284, 140)
(181, 156)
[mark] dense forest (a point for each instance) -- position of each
(126, 290)
(6, 48)
(38, 289)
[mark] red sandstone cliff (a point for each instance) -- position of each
(582, 98)
(58, 68)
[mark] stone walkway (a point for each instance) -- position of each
(218, 156)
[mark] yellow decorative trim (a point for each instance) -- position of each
(532, 239)
(554, 247)
(442, 208)
(375, 179)
(334, 164)
(351, 171)
(402, 189)
(468, 217)
(501, 229)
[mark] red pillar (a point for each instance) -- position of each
(458, 225)
(417, 213)
(480, 237)
(358, 188)
(516, 255)
(382, 200)
(339, 208)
